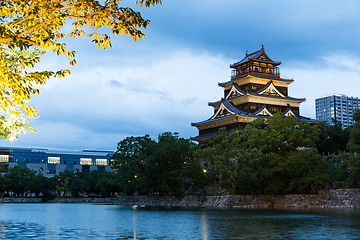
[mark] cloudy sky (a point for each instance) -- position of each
(164, 82)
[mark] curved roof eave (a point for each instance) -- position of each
(232, 108)
(236, 79)
(214, 103)
(254, 59)
(255, 56)
(213, 120)
(237, 87)
(271, 96)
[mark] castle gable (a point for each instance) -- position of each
(271, 90)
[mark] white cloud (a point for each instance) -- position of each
(165, 81)
(105, 103)
(337, 73)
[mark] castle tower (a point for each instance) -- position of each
(255, 90)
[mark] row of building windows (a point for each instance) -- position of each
(337, 106)
(56, 160)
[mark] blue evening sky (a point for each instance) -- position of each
(164, 82)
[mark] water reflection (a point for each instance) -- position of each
(88, 221)
(204, 226)
(2, 229)
(134, 222)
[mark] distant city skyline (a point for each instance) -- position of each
(163, 82)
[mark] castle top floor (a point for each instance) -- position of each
(258, 64)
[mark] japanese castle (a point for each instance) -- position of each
(255, 90)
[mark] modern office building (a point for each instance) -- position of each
(50, 162)
(337, 106)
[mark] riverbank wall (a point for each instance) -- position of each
(57, 200)
(337, 198)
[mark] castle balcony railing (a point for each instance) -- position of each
(258, 72)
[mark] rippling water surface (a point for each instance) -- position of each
(91, 221)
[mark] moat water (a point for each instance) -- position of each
(97, 221)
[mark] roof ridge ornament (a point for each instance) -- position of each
(262, 47)
(246, 53)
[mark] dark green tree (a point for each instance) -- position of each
(306, 170)
(283, 137)
(106, 184)
(3, 185)
(230, 155)
(129, 162)
(254, 159)
(145, 166)
(197, 176)
(18, 179)
(354, 170)
(333, 138)
(165, 165)
(339, 166)
(37, 184)
(63, 182)
(78, 184)
(354, 141)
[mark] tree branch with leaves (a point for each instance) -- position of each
(28, 28)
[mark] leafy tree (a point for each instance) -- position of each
(78, 185)
(288, 134)
(29, 27)
(106, 184)
(306, 170)
(49, 187)
(164, 168)
(230, 155)
(196, 177)
(354, 141)
(92, 178)
(37, 184)
(147, 166)
(284, 137)
(255, 159)
(16, 87)
(63, 181)
(3, 186)
(339, 166)
(18, 179)
(354, 170)
(333, 138)
(129, 162)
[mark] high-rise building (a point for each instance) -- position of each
(337, 106)
(255, 90)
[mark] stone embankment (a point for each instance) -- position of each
(57, 200)
(82, 200)
(20, 200)
(337, 198)
(348, 198)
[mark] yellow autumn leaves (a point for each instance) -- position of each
(30, 27)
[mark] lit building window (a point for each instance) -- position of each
(54, 160)
(4, 158)
(85, 161)
(101, 162)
